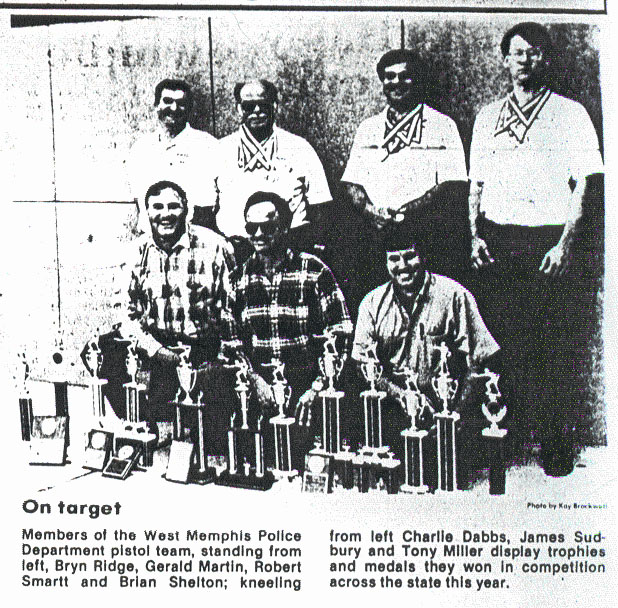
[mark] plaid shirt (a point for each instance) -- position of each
(177, 297)
(278, 318)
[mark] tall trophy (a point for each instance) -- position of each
(493, 434)
(414, 403)
(282, 392)
(331, 364)
(445, 387)
(372, 403)
(180, 464)
(246, 461)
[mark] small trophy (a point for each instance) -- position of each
(246, 466)
(25, 401)
(93, 359)
(180, 461)
(134, 391)
(494, 435)
(372, 403)
(414, 403)
(331, 364)
(282, 392)
(446, 388)
(318, 474)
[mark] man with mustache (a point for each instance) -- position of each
(261, 156)
(174, 151)
(531, 157)
(402, 163)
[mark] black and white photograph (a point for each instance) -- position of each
(309, 302)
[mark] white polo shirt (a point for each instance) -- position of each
(185, 159)
(296, 174)
(392, 180)
(527, 184)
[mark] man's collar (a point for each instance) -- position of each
(164, 137)
(184, 242)
(411, 303)
(255, 263)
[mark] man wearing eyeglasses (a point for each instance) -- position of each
(531, 157)
(174, 151)
(282, 300)
(261, 156)
(406, 164)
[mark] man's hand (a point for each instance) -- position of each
(263, 392)
(480, 253)
(381, 218)
(303, 407)
(165, 355)
(556, 261)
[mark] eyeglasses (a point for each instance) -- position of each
(249, 106)
(268, 228)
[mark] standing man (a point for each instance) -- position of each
(282, 299)
(532, 153)
(403, 165)
(408, 321)
(263, 157)
(174, 151)
(178, 283)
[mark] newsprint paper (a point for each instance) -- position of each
(89, 519)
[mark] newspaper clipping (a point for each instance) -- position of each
(308, 302)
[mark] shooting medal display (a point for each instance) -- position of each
(318, 475)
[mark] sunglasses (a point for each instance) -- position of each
(249, 106)
(268, 228)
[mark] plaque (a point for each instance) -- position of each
(318, 473)
(48, 441)
(179, 463)
(98, 449)
(123, 462)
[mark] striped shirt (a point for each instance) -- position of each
(278, 317)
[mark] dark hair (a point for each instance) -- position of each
(157, 188)
(398, 237)
(402, 56)
(282, 207)
(533, 33)
(172, 84)
(272, 94)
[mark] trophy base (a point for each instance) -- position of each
(202, 478)
(408, 489)
(495, 433)
(247, 482)
(380, 452)
(279, 474)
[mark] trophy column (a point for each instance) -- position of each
(282, 392)
(446, 388)
(25, 401)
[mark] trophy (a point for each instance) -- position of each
(181, 456)
(414, 403)
(93, 359)
(331, 364)
(372, 402)
(318, 474)
(343, 474)
(246, 466)
(282, 392)
(493, 434)
(445, 387)
(25, 401)
(134, 391)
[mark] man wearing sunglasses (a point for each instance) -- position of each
(282, 300)
(531, 158)
(261, 156)
(406, 164)
(174, 151)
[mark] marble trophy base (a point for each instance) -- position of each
(248, 481)
(414, 462)
(283, 456)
